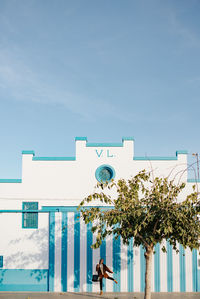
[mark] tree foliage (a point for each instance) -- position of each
(146, 209)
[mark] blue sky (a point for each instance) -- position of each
(101, 69)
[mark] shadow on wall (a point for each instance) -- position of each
(30, 254)
(26, 263)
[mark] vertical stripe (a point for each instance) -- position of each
(163, 268)
(169, 268)
(76, 252)
(58, 246)
(103, 256)
(51, 250)
(83, 260)
(116, 263)
(64, 253)
(188, 269)
(96, 257)
(130, 266)
(136, 269)
(176, 271)
(109, 259)
(142, 269)
(124, 272)
(194, 270)
(89, 257)
(152, 274)
(182, 268)
(157, 268)
(70, 252)
(198, 272)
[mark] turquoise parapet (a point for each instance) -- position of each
(183, 152)
(160, 158)
(80, 138)
(154, 158)
(10, 180)
(28, 153)
(54, 158)
(104, 144)
(127, 138)
(118, 144)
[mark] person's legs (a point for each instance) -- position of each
(112, 279)
(101, 285)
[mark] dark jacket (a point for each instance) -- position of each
(105, 269)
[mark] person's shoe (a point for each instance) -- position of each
(101, 293)
(115, 281)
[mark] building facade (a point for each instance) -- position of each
(48, 247)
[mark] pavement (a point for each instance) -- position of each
(68, 295)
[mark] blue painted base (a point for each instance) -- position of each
(24, 280)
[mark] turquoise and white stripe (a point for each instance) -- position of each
(75, 261)
(72, 263)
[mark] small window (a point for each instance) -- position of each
(1, 261)
(105, 173)
(30, 220)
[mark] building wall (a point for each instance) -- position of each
(57, 256)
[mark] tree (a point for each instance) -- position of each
(148, 210)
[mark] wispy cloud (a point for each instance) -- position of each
(21, 83)
(188, 36)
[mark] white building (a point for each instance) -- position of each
(48, 249)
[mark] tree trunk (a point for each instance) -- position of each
(148, 259)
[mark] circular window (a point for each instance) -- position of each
(104, 173)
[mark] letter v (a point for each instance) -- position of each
(99, 154)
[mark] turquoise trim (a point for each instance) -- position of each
(116, 263)
(169, 268)
(103, 256)
(89, 257)
(194, 271)
(23, 211)
(108, 168)
(193, 181)
(183, 152)
(64, 253)
(154, 158)
(54, 159)
(28, 153)
(157, 268)
(47, 209)
(51, 250)
(24, 280)
(72, 208)
(142, 269)
(80, 138)
(130, 266)
(104, 144)
(10, 180)
(127, 138)
(76, 252)
(182, 268)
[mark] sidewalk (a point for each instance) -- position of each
(31, 295)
